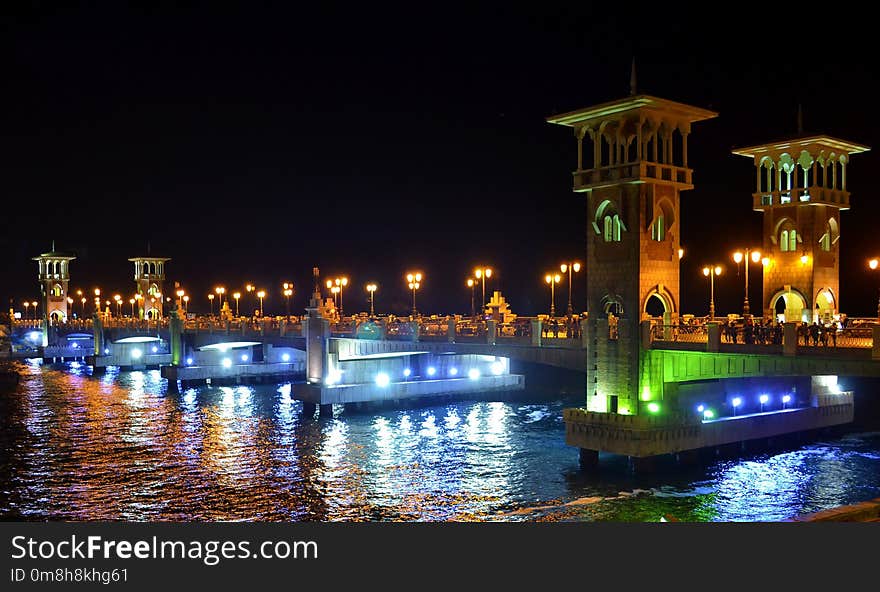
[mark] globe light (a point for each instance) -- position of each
(453, 371)
(473, 374)
(382, 379)
(653, 407)
(136, 354)
(701, 408)
(432, 371)
(764, 399)
(227, 363)
(285, 357)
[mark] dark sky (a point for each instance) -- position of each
(253, 144)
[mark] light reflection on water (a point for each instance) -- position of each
(118, 447)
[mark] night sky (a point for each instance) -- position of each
(251, 144)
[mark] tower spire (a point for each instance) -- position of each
(632, 77)
(53, 245)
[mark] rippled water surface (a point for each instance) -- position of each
(118, 447)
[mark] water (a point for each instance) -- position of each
(118, 447)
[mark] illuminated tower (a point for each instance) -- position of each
(149, 276)
(631, 165)
(54, 276)
(800, 186)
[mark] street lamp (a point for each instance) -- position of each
(483, 273)
(261, 294)
(552, 280)
(236, 295)
(131, 301)
(34, 304)
(70, 303)
(211, 298)
(340, 283)
(26, 307)
(570, 268)
(471, 284)
(118, 300)
(185, 304)
(83, 302)
(220, 290)
(79, 294)
(288, 292)
(755, 256)
(335, 290)
(873, 265)
(371, 288)
(414, 280)
(711, 272)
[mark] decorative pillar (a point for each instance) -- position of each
(536, 332)
(491, 331)
(579, 134)
(450, 330)
(789, 338)
(98, 331)
(684, 149)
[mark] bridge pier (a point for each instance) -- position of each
(325, 410)
(309, 409)
(588, 459)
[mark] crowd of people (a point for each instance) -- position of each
(761, 331)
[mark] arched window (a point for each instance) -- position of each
(658, 229)
(56, 291)
(788, 239)
(608, 223)
(832, 233)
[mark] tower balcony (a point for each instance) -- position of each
(766, 200)
(633, 172)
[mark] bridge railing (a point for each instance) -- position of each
(767, 334)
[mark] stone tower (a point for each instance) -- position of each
(632, 164)
(149, 277)
(800, 186)
(54, 277)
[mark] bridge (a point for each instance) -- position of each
(656, 383)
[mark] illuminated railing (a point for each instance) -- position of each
(632, 171)
(816, 194)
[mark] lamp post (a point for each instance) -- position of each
(481, 273)
(249, 288)
(131, 301)
(98, 300)
(570, 268)
(341, 283)
(288, 292)
(211, 298)
(118, 300)
(220, 290)
(34, 304)
(711, 272)
(472, 284)
(755, 256)
(26, 308)
(70, 303)
(552, 280)
(371, 288)
(185, 304)
(414, 281)
(873, 265)
(261, 294)
(236, 295)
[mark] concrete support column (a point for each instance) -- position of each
(450, 330)
(175, 329)
(584, 340)
(713, 341)
(309, 409)
(536, 332)
(789, 338)
(875, 350)
(325, 410)
(645, 334)
(98, 331)
(491, 331)
(588, 459)
(316, 330)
